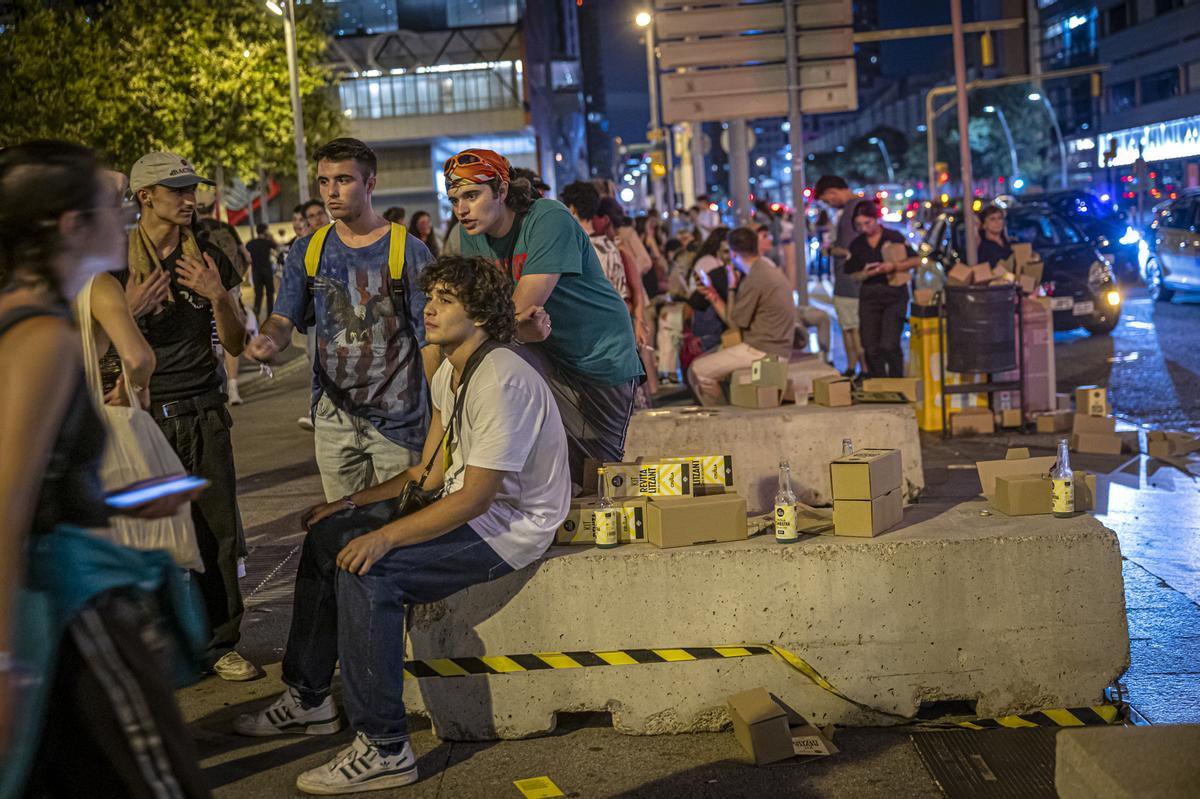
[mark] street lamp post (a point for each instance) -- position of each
(1038, 97)
(1012, 147)
(288, 12)
(887, 158)
(645, 20)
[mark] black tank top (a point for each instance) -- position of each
(71, 492)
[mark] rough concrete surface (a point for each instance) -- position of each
(1128, 762)
(809, 436)
(1015, 614)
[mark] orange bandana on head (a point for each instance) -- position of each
(476, 166)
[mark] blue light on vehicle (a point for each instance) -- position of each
(1018, 183)
(1130, 236)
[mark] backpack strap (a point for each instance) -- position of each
(316, 246)
(396, 252)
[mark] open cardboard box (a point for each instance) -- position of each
(1010, 467)
(910, 387)
(770, 732)
(832, 391)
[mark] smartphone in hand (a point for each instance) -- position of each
(144, 492)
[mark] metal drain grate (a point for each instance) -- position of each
(991, 764)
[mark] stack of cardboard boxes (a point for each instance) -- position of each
(1020, 485)
(668, 502)
(1092, 429)
(867, 495)
(772, 381)
(1024, 267)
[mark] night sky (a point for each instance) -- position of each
(625, 56)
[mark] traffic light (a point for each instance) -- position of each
(942, 170)
(658, 166)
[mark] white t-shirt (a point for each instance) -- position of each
(510, 424)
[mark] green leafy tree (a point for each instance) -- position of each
(206, 80)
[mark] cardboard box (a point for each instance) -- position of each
(972, 421)
(1170, 444)
(771, 372)
(1000, 271)
(1016, 453)
(745, 394)
(894, 252)
(1096, 443)
(1091, 400)
(579, 528)
(684, 521)
(989, 471)
(900, 278)
(1033, 270)
(910, 387)
(923, 297)
(1082, 423)
(711, 474)
(1022, 253)
(1028, 284)
(1011, 418)
(833, 391)
(959, 275)
(1028, 495)
(769, 733)
(1063, 402)
(866, 474)
(865, 518)
(981, 273)
(1057, 422)
(649, 479)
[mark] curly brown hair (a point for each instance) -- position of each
(484, 291)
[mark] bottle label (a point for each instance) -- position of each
(605, 524)
(1062, 496)
(785, 522)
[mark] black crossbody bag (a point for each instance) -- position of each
(414, 497)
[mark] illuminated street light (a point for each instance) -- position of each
(643, 19)
(274, 8)
(1012, 147)
(1034, 97)
(289, 38)
(887, 158)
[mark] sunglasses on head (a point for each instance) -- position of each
(462, 159)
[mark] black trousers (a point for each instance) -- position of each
(264, 288)
(594, 416)
(112, 726)
(881, 311)
(202, 442)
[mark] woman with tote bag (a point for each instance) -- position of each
(136, 449)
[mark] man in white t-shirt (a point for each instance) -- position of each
(505, 487)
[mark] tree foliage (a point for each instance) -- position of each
(206, 80)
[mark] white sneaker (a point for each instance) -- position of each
(305, 423)
(360, 767)
(235, 398)
(233, 667)
(286, 716)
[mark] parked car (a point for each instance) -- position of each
(1077, 279)
(1172, 261)
(1106, 226)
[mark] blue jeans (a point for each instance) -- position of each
(360, 620)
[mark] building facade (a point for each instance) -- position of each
(419, 80)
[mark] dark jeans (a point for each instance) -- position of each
(360, 620)
(881, 312)
(264, 288)
(112, 724)
(202, 442)
(594, 416)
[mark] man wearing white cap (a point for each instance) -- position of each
(178, 288)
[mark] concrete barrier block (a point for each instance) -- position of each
(1128, 762)
(809, 436)
(1016, 614)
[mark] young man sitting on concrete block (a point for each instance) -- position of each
(497, 452)
(762, 310)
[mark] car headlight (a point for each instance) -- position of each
(1098, 274)
(1130, 236)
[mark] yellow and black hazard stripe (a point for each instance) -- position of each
(541, 661)
(1058, 717)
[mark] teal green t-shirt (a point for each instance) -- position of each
(591, 331)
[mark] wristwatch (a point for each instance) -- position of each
(350, 505)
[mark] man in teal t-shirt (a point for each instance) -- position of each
(577, 331)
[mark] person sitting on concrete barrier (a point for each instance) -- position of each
(807, 315)
(497, 451)
(762, 310)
